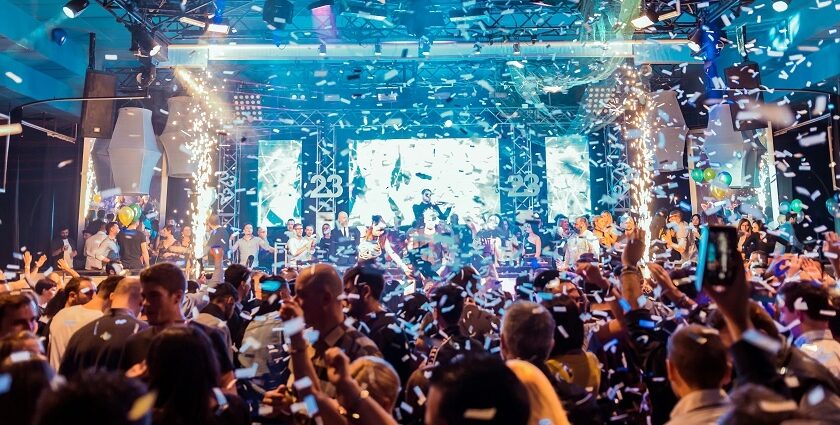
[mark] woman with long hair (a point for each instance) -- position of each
(744, 231)
(183, 248)
(185, 373)
(375, 241)
(166, 240)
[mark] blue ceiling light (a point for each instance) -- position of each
(59, 36)
(74, 8)
(781, 5)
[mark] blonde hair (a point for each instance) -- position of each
(545, 405)
(379, 378)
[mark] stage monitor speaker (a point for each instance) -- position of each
(745, 78)
(98, 116)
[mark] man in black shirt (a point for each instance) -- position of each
(134, 249)
(426, 204)
(163, 287)
(363, 288)
(101, 344)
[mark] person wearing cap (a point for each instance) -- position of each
(427, 204)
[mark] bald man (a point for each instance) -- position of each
(318, 289)
(101, 344)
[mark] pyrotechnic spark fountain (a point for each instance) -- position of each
(206, 116)
(636, 129)
(90, 182)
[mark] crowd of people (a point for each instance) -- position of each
(373, 327)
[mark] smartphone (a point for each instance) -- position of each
(718, 259)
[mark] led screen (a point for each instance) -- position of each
(279, 181)
(387, 176)
(567, 172)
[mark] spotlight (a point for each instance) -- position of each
(147, 76)
(145, 44)
(516, 50)
(476, 49)
(424, 47)
(59, 36)
(695, 40)
(377, 49)
(781, 5)
(322, 49)
(646, 19)
(74, 8)
(319, 3)
(277, 13)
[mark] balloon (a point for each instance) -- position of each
(796, 205)
(125, 215)
(697, 175)
(719, 193)
(800, 216)
(784, 207)
(831, 206)
(97, 198)
(709, 174)
(137, 211)
(725, 177)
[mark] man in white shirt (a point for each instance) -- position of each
(92, 246)
(805, 307)
(585, 241)
(84, 305)
(299, 247)
(109, 249)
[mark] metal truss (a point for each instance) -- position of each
(522, 165)
(617, 169)
(325, 168)
(227, 187)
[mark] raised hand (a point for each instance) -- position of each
(635, 248)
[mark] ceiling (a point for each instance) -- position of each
(795, 49)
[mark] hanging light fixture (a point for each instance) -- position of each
(175, 137)
(133, 151)
(74, 8)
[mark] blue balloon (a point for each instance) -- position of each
(784, 207)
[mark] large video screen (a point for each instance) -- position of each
(567, 172)
(387, 176)
(279, 181)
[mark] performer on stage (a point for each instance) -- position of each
(248, 247)
(491, 242)
(426, 252)
(344, 241)
(299, 247)
(427, 204)
(376, 242)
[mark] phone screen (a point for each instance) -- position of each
(717, 259)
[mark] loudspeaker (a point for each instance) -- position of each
(98, 116)
(745, 78)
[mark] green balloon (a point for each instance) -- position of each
(697, 175)
(796, 205)
(709, 174)
(138, 213)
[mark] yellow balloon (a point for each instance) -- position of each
(97, 198)
(125, 215)
(718, 193)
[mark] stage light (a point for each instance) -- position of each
(646, 19)
(516, 50)
(695, 40)
(277, 13)
(74, 8)
(476, 49)
(322, 49)
(781, 5)
(143, 43)
(377, 49)
(424, 47)
(319, 3)
(11, 129)
(59, 36)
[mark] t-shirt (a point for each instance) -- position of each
(138, 345)
(62, 327)
(100, 343)
(131, 242)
